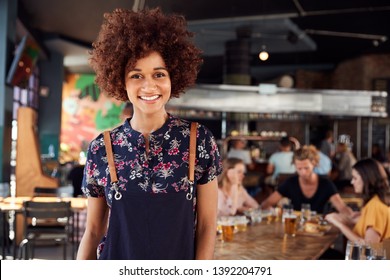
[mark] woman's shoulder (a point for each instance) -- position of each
(376, 207)
(376, 202)
(96, 144)
(179, 123)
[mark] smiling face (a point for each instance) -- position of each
(357, 181)
(148, 85)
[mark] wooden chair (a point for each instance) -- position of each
(56, 226)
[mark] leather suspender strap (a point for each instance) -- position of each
(191, 169)
(110, 156)
(191, 159)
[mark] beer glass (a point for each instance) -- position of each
(227, 225)
(290, 225)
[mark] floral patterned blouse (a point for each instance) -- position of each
(163, 170)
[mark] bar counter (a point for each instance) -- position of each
(267, 242)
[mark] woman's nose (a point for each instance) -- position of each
(149, 85)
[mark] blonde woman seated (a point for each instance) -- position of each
(373, 225)
(232, 196)
(307, 186)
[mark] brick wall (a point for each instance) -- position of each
(354, 74)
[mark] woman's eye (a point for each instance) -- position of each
(160, 75)
(136, 76)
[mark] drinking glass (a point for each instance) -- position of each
(305, 211)
(256, 216)
(240, 223)
(288, 210)
(355, 251)
(348, 249)
(227, 224)
(290, 225)
(378, 252)
(367, 251)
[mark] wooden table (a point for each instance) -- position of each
(8, 204)
(267, 242)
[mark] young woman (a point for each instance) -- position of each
(232, 196)
(147, 58)
(373, 225)
(307, 186)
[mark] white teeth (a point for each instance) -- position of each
(149, 98)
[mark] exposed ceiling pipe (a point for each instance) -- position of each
(347, 11)
(302, 12)
(380, 38)
(288, 15)
(299, 7)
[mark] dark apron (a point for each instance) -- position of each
(148, 226)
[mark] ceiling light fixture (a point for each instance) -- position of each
(263, 55)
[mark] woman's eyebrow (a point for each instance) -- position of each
(156, 68)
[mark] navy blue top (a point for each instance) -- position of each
(292, 190)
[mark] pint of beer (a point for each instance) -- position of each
(227, 232)
(290, 225)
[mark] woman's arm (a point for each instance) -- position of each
(97, 216)
(207, 220)
(337, 221)
(371, 236)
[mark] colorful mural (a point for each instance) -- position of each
(85, 113)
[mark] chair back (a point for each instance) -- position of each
(46, 221)
(45, 191)
(47, 210)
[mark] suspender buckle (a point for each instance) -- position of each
(189, 194)
(118, 195)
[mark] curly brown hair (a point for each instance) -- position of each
(307, 152)
(127, 36)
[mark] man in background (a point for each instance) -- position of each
(280, 162)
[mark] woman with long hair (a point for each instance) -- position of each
(373, 224)
(232, 196)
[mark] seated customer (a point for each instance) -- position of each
(324, 166)
(280, 162)
(307, 186)
(232, 196)
(343, 161)
(373, 225)
(239, 150)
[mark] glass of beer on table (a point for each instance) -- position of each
(290, 224)
(227, 225)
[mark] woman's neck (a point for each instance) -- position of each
(146, 124)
